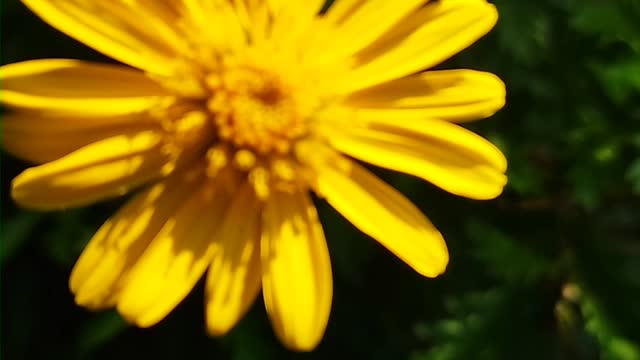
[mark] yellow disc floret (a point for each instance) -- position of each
(255, 109)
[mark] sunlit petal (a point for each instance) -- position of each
(100, 170)
(101, 271)
(114, 28)
(445, 154)
(426, 38)
(296, 278)
(379, 211)
(233, 279)
(175, 259)
(453, 95)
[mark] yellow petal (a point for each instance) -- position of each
(176, 258)
(437, 151)
(78, 87)
(292, 20)
(137, 33)
(341, 10)
(255, 16)
(102, 269)
(453, 95)
(109, 167)
(429, 36)
(302, 8)
(358, 24)
(233, 280)
(229, 30)
(45, 137)
(279, 21)
(377, 209)
(297, 282)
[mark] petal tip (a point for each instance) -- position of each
(134, 317)
(218, 326)
(300, 344)
(438, 260)
(492, 13)
(20, 192)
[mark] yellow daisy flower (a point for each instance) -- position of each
(232, 112)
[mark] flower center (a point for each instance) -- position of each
(256, 110)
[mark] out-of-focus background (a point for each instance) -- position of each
(550, 270)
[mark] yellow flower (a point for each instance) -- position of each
(233, 112)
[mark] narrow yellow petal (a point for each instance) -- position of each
(176, 258)
(341, 10)
(365, 22)
(255, 15)
(292, 20)
(437, 151)
(377, 209)
(234, 277)
(303, 11)
(229, 29)
(109, 167)
(80, 87)
(453, 95)
(102, 269)
(297, 282)
(429, 36)
(44, 137)
(114, 28)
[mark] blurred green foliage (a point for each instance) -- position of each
(551, 270)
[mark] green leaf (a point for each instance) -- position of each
(633, 176)
(613, 345)
(71, 232)
(16, 231)
(481, 327)
(505, 258)
(611, 20)
(621, 79)
(607, 264)
(98, 332)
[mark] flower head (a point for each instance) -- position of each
(231, 113)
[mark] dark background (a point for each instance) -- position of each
(550, 270)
